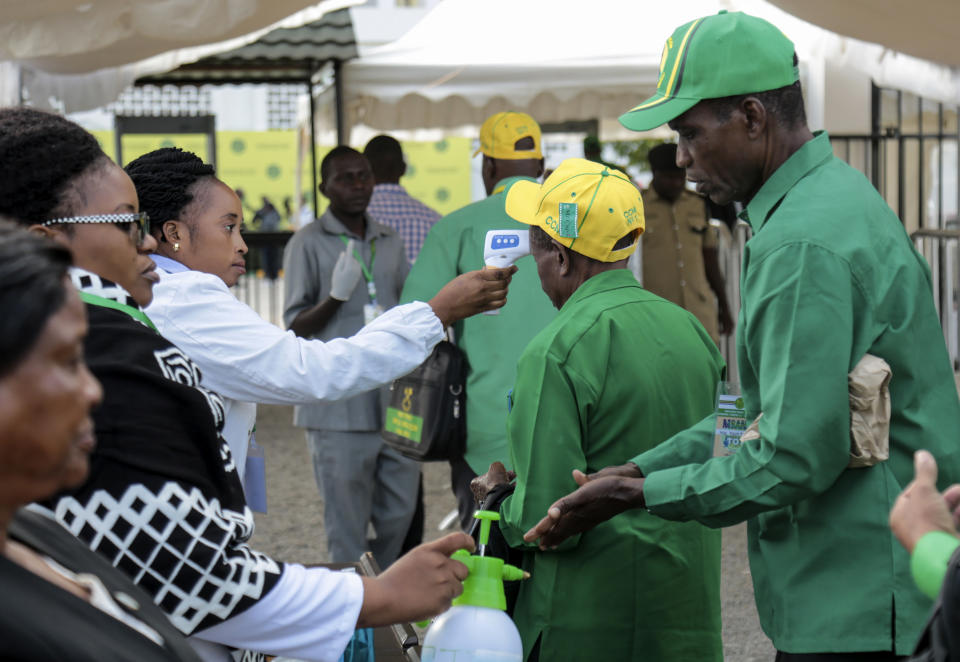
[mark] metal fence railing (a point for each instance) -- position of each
(257, 289)
(941, 249)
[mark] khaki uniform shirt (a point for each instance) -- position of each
(673, 244)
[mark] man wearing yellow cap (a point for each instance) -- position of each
(510, 144)
(828, 277)
(618, 363)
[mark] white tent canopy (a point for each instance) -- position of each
(84, 54)
(926, 29)
(569, 60)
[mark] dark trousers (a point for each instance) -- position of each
(415, 534)
(460, 476)
(838, 657)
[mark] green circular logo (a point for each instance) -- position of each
(739, 403)
(411, 171)
(441, 145)
(167, 143)
(238, 146)
(273, 171)
(443, 194)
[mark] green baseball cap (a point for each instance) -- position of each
(723, 55)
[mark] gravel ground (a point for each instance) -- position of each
(292, 529)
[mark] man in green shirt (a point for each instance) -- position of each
(617, 362)
(510, 143)
(829, 276)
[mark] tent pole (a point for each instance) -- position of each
(338, 102)
(313, 145)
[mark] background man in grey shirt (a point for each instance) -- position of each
(341, 271)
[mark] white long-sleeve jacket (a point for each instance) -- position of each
(247, 360)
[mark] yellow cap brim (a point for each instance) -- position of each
(523, 200)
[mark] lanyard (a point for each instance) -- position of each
(103, 302)
(367, 271)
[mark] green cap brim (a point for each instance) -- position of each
(655, 111)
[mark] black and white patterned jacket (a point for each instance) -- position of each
(163, 501)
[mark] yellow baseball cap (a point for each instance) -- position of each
(585, 206)
(500, 133)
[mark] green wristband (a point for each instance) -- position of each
(930, 558)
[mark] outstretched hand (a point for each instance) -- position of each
(599, 497)
(420, 584)
(472, 293)
(920, 508)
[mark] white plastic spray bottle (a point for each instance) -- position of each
(476, 628)
(502, 248)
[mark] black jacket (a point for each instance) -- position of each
(163, 501)
(41, 621)
(940, 641)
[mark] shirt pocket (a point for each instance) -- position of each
(696, 223)
(776, 525)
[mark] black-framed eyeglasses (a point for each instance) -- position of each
(142, 220)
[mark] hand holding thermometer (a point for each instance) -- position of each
(502, 248)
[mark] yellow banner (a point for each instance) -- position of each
(264, 163)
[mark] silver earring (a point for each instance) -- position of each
(176, 246)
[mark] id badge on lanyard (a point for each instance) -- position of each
(371, 310)
(731, 419)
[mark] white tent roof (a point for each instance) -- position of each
(568, 60)
(926, 29)
(83, 54)
(67, 36)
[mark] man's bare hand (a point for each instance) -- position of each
(952, 496)
(496, 475)
(920, 508)
(602, 495)
(420, 584)
(472, 293)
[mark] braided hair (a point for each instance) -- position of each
(43, 158)
(169, 180)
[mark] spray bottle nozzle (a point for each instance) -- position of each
(485, 517)
(484, 586)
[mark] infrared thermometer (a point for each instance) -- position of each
(502, 248)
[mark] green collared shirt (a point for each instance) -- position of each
(829, 275)
(492, 343)
(617, 362)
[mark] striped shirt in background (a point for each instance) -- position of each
(393, 206)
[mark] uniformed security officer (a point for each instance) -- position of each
(680, 247)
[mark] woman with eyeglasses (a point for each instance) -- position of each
(59, 601)
(195, 220)
(163, 501)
